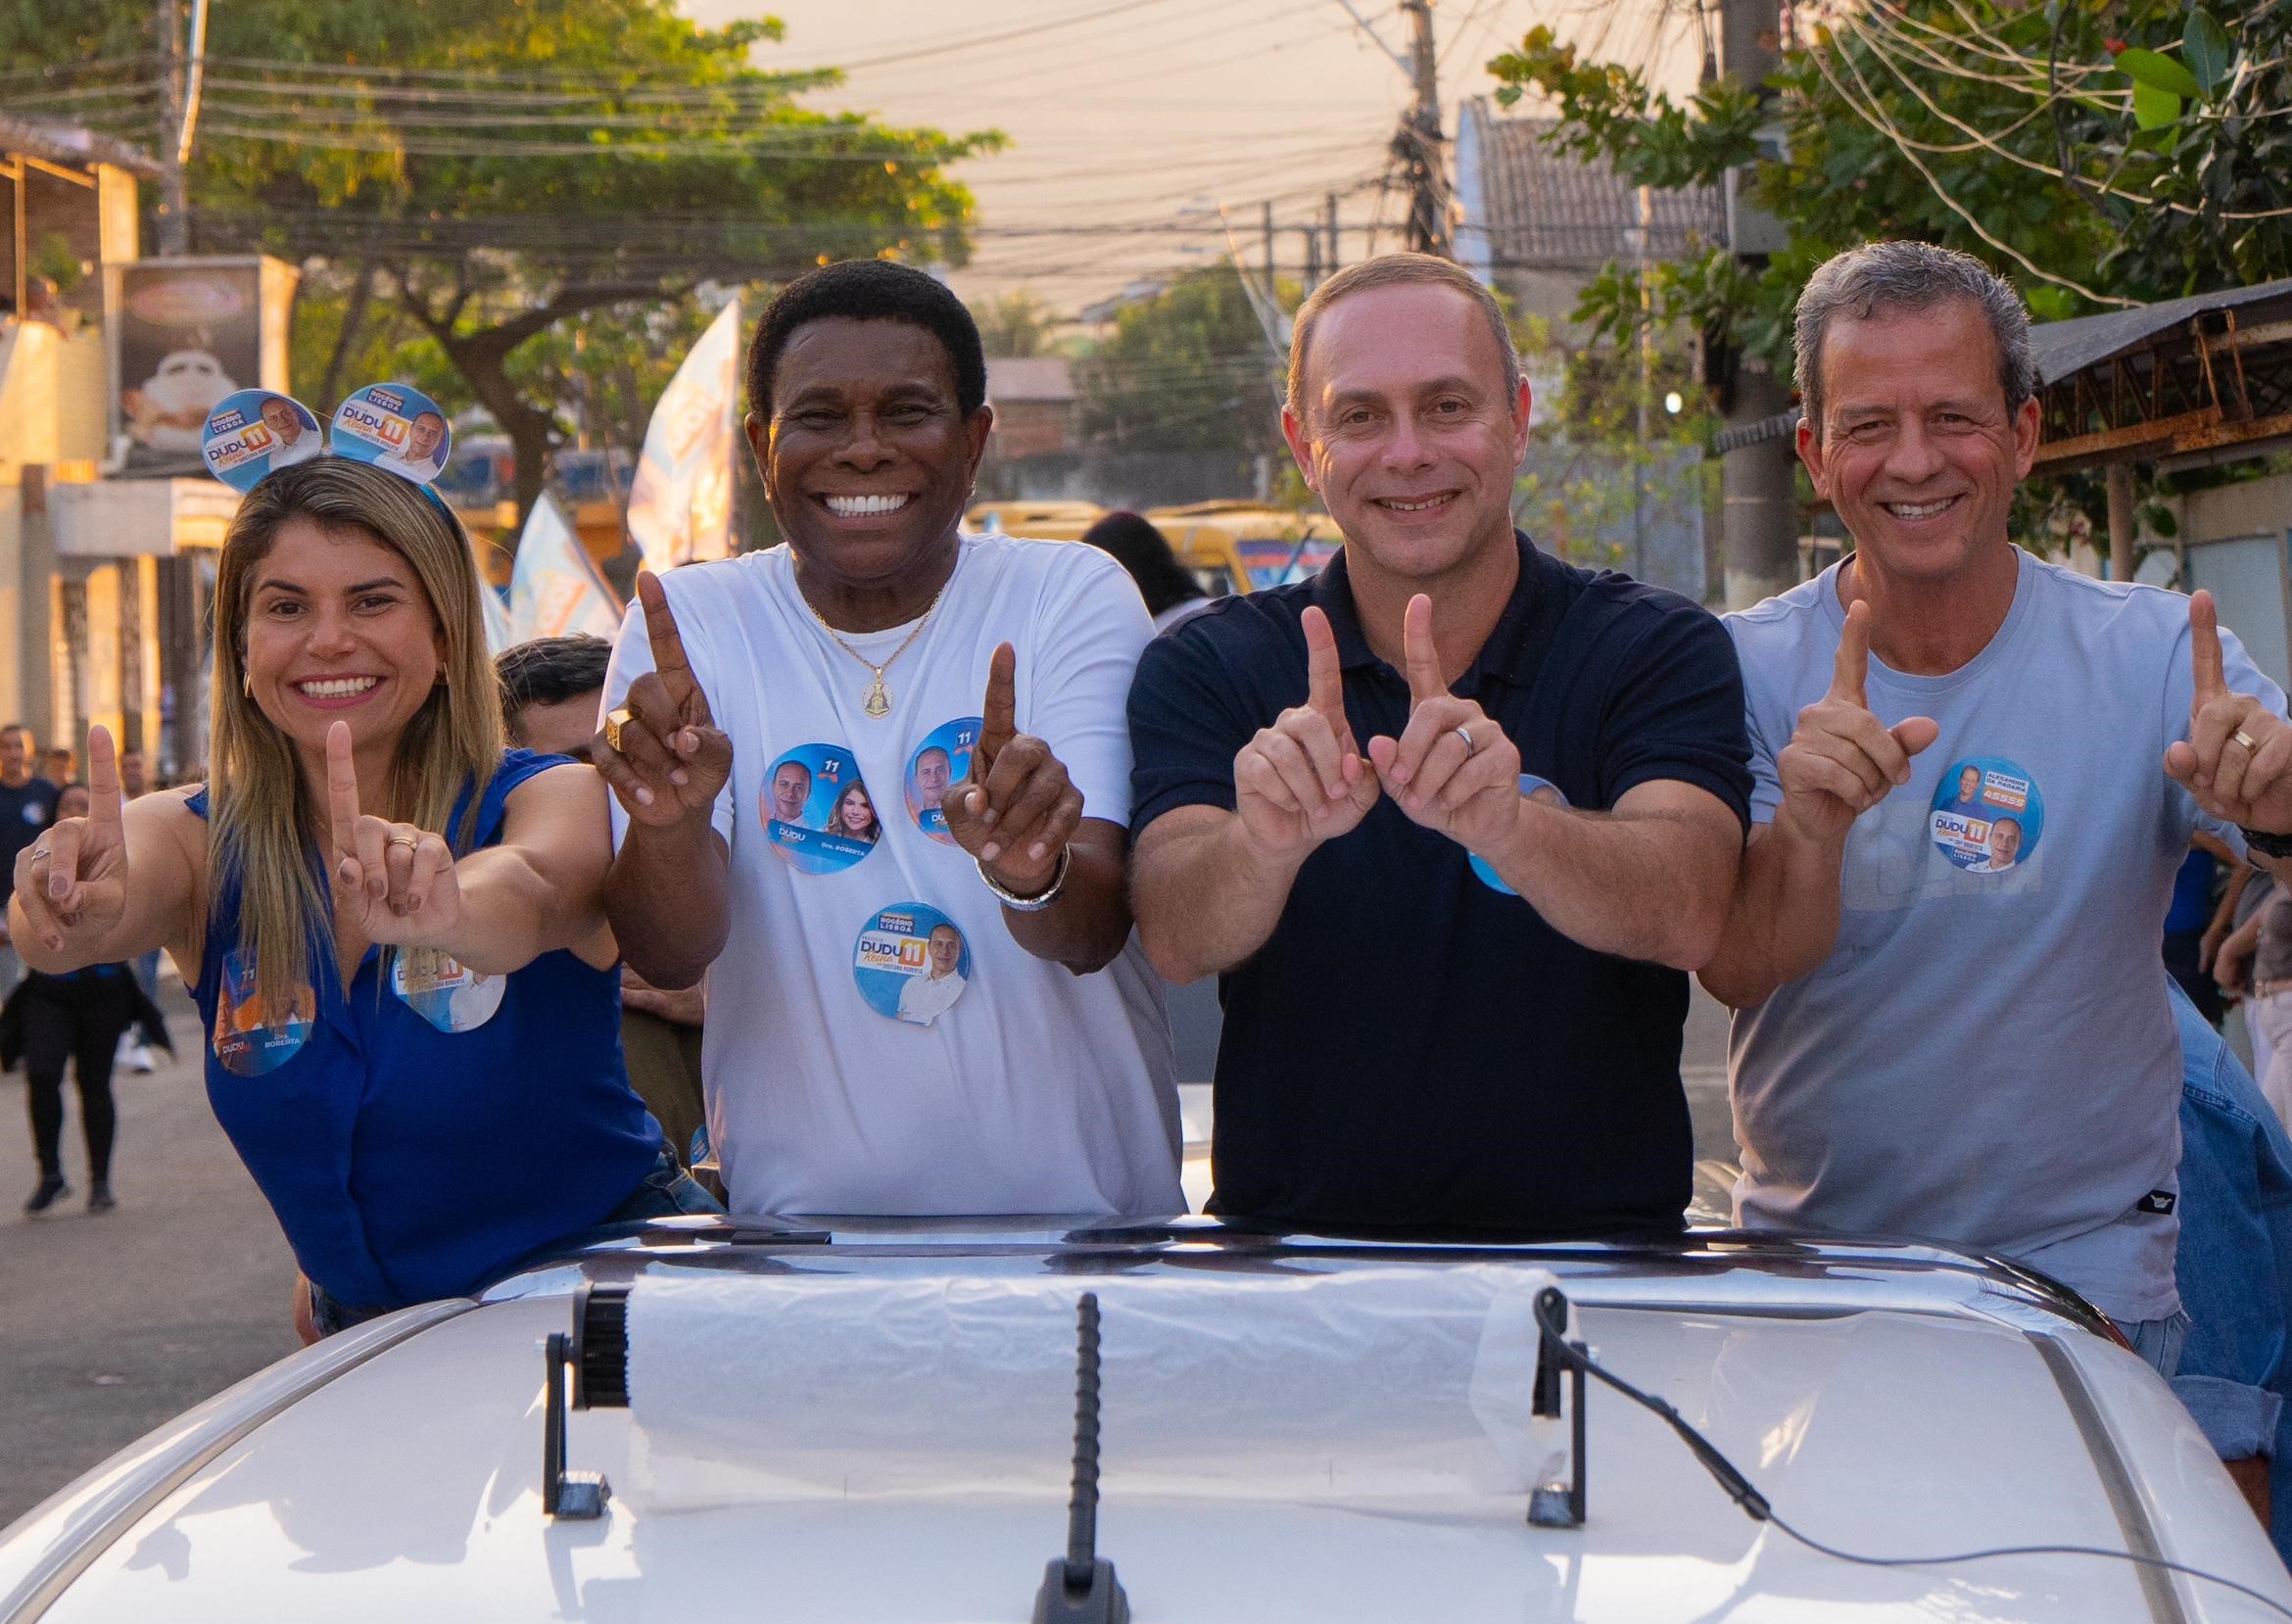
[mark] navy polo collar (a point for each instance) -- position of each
(1332, 591)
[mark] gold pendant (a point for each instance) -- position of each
(877, 702)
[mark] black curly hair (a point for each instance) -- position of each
(868, 290)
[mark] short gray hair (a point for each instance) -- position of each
(1392, 270)
(1876, 277)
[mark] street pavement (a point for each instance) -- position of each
(112, 1323)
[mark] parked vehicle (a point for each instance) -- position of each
(1294, 1427)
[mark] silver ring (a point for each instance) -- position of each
(1462, 734)
(2250, 744)
(39, 855)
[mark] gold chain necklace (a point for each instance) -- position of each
(877, 702)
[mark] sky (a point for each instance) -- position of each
(1131, 123)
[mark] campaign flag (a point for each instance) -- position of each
(554, 589)
(497, 617)
(680, 511)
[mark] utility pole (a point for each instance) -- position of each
(1420, 142)
(1760, 517)
(1329, 217)
(1267, 227)
(175, 215)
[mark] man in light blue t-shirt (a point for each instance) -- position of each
(1976, 773)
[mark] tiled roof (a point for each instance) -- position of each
(1550, 210)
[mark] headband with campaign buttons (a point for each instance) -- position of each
(252, 434)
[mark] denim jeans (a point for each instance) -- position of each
(666, 1191)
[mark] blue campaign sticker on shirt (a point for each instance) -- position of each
(255, 433)
(1530, 784)
(394, 427)
(448, 994)
(1988, 814)
(817, 813)
(943, 760)
(247, 1039)
(911, 963)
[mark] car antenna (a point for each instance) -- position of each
(1080, 1587)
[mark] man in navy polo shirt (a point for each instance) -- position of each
(1451, 956)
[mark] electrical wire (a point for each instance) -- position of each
(1550, 1312)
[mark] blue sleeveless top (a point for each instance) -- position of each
(417, 1138)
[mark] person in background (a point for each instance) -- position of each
(2186, 918)
(134, 1048)
(59, 765)
(80, 1016)
(1173, 596)
(28, 805)
(2254, 963)
(548, 701)
(2234, 1263)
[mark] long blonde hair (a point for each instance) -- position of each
(265, 830)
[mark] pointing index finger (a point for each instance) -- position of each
(998, 713)
(103, 785)
(342, 790)
(2204, 647)
(1420, 652)
(1325, 675)
(668, 643)
(1851, 668)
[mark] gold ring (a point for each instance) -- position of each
(2246, 740)
(615, 721)
(410, 841)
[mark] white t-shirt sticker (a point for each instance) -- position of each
(941, 762)
(1530, 784)
(1988, 814)
(912, 964)
(817, 812)
(448, 994)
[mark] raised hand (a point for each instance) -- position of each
(661, 750)
(393, 882)
(73, 881)
(1453, 769)
(1842, 761)
(1302, 780)
(2235, 758)
(1017, 809)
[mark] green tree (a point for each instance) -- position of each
(1017, 325)
(1189, 369)
(487, 171)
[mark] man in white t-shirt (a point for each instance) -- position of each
(952, 1017)
(424, 453)
(1975, 776)
(293, 437)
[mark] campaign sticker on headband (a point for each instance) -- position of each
(942, 761)
(446, 993)
(255, 433)
(1988, 814)
(817, 813)
(911, 964)
(394, 427)
(248, 1040)
(1530, 785)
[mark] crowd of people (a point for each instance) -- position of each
(933, 816)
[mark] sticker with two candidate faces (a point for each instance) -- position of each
(248, 1040)
(1988, 814)
(818, 815)
(911, 963)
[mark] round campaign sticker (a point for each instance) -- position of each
(1530, 784)
(394, 427)
(246, 1040)
(944, 760)
(817, 813)
(911, 963)
(448, 994)
(1988, 814)
(257, 432)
